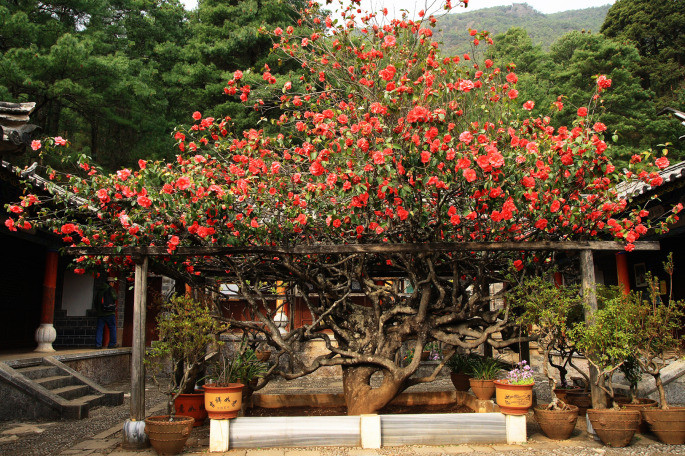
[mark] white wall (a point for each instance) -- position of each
(77, 295)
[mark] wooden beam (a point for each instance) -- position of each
(138, 350)
(322, 249)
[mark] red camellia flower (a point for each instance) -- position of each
(529, 105)
(662, 162)
(518, 264)
(16, 209)
(599, 127)
(582, 111)
(388, 73)
(603, 82)
(197, 115)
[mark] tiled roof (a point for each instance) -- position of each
(634, 189)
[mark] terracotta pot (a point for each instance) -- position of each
(460, 381)
(615, 428)
(667, 425)
(642, 403)
(192, 405)
(168, 437)
(560, 393)
(556, 424)
(483, 389)
(223, 401)
(580, 399)
(263, 355)
(513, 399)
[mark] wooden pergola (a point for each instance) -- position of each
(135, 438)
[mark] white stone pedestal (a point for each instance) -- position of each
(370, 427)
(218, 435)
(516, 428)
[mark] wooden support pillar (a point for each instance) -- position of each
(134, 435)
(622, 272)
(46, 334)
(587, 270)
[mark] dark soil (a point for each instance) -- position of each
(340, 411)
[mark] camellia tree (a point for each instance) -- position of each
(384, 143)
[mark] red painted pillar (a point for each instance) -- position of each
(622, 271)
(46, 334)
(558, 279)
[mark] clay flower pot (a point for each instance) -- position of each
(168, 437)
(615, 428)
(223, 401)
(556, 424)
(642, 403)
(483, 389)
(667, 425)
(514, 399)
(460, 381)
(263, 355)
(580, 399)
(562, 392)
(192, 405)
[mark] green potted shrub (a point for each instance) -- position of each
(186, 328)
(224, 390)
(658, 320)
(460, 366)
(607, 340)
(549, 310)
(485, 370)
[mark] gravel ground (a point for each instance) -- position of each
(57, 436)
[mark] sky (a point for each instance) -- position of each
(543, 6)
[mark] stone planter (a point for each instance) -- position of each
(168, 437)
(483, 389)
(615, 428)
(556, 424)
(667, 425)
(223, 401)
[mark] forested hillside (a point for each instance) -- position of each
(116, 77)
(544, 29)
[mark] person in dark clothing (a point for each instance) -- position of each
(106, 306)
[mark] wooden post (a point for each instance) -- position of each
(134, 437)
(587, 270)
(46, 334)
(622, 272)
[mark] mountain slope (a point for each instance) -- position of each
(544, 29)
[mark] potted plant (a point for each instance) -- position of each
(658, 320)
(224, 392)
(607, 340)
(460, 366)
(485, 371)
(514, 393)
(186, 327)
(549, 310)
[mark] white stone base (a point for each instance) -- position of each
(45, 336)
(516, 428)
(218, 435)
(370, 426)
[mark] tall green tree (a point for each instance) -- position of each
(657, 30)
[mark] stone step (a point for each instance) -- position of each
(42, 371)
(56, 381)
(71, 391)
(93, 400)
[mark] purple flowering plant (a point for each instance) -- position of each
(522, 374)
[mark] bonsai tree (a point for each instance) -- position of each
(550, 311)
(658, 320)
(186, 329)
(609, 338)
(384, 145)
